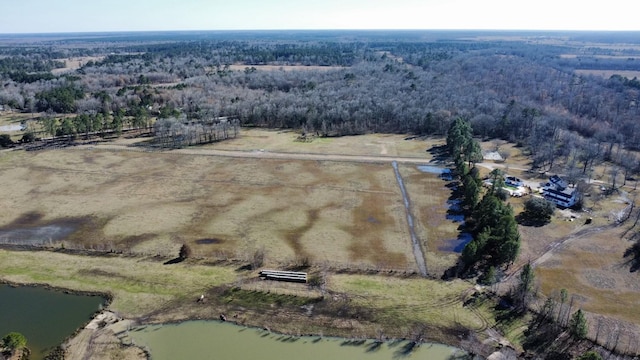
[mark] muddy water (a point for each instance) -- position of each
(10, 128)
(45, 317)
(217, 340)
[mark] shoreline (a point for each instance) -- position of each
(107, 326)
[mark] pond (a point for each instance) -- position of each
(10, 128)
(219, 340)
(45, 317)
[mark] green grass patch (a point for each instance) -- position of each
(432, 302)
(138, 285)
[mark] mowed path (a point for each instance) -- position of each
(302, 156)
(264, 154)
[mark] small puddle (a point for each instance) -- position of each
(444, 173)
(208, 241)
(10, 128)
(39, 235)
(30, 229)
(457, 245)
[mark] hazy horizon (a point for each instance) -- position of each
(76, 16)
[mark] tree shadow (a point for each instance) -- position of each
(632, 254)
(406, 349)
(174, 261)
(374, 346)
(439, 153)
(525, 219)
(246, 267)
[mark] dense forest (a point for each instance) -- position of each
(521, 87)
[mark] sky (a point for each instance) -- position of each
(46, 16)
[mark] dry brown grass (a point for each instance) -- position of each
(343, 214)
(594, 269)
(284, 141)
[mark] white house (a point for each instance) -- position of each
(559, 192)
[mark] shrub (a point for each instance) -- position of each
(185, 252)
(537, 211)
(14, 341)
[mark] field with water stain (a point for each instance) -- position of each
(342, 214)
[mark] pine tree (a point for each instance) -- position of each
(578, 325)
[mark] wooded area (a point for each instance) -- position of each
(523, 91)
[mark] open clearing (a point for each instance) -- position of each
(336, 213)
(75, 63)
(629, 74)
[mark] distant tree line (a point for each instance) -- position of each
(393, 83)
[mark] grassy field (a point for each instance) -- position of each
(338, 214)
(138, 285)
(371, 144)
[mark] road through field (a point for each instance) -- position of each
(302, 156)
(264, 154)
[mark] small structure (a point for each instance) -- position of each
(278, 275)
(513, 181)
(559, 192)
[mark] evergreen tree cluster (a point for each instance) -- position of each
(496, 240)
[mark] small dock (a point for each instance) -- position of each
(278, 275)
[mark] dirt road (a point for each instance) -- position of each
(264, 154)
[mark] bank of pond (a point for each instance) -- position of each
(47, 317)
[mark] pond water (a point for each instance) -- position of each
(45, 317)
(10, 128)
(458, 244)
(432, 169)
(37, 235)
(218, 340)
